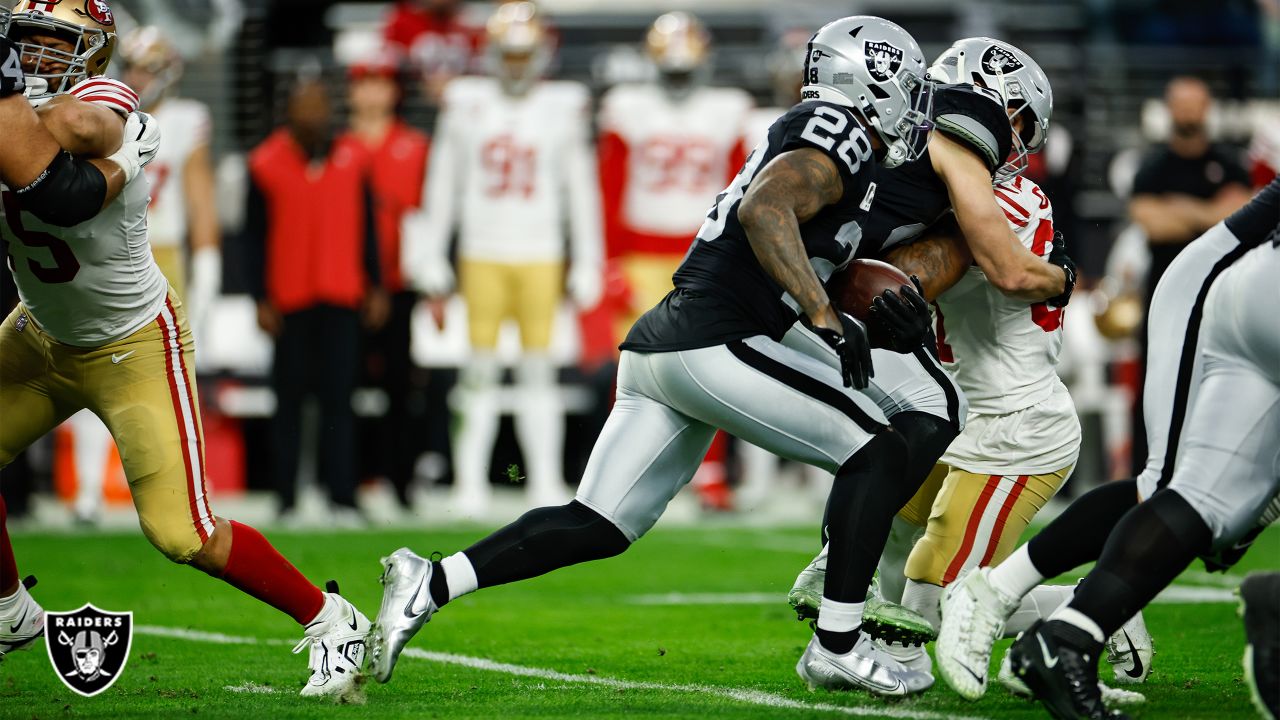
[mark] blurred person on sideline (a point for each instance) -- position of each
(1182, 189)
(398, 163)
(182, 219)
(512, 170)
(436, 39)
(311, 228)
(664, 148)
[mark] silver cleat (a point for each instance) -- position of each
(865, 667)
(406, 607)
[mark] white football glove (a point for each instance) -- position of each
(434, 277)
(585, 284)
(141, 143)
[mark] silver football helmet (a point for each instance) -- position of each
(875, 67)
(997, 65)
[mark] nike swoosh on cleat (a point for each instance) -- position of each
(982, 680)
(1134, 672)
(14, 628)
(1050, 663)
(408, 608)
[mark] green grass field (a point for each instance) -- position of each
(599, 641)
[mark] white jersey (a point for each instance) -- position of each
(679, 152)
(90, 284)
(1004, 354)
(185, 125)
(510, 173)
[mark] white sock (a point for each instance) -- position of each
(839, 617)
(1016, 575)
(893, 560)
(478, 404)
(459, 575)
(92, 443)
(539, 422)
(923, 598)
(1071, 616)
(1039, 604)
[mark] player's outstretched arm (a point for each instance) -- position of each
(791, 189)
(1008, 265)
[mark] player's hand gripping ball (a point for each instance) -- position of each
(886, 300)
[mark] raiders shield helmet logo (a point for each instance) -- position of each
(883, 59)
(998, 61)
(88, 647)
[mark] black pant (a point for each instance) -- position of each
(317, 353)
(389, 366)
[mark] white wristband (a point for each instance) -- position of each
(129, 160)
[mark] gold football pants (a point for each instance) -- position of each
(529, 293)
(143, 388)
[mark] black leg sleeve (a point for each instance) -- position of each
(868, 491)
(1077, 535)
(543, 540)
(1150, 546)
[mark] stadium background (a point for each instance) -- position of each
(1108, 61)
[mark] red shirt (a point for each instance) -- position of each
(434, 42)
(397, 173)
(316, 222)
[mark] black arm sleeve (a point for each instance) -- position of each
(68, 192)
(255, 241)
(372, 261)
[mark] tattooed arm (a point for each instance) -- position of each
(939, 258)
(791, 189)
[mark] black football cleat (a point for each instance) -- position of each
(1059, 664)
(1260, 607)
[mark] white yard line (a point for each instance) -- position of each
(743, 695)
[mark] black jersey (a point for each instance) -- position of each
(721, 291)
(911, 197)
(1259, 220)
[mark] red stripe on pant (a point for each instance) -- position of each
(998, 530)
(169, 346)
(971, 530)
(203, 500)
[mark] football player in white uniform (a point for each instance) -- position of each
(99, 327)
(510, 168)
(664, 148)
(1225, 476)
(182, 215)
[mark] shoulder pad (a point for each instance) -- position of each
(976, 117)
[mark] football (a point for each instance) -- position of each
(852, 289)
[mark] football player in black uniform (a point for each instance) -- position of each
(993, 112)
(709, 356)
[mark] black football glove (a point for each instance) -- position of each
(852, 347)
(1058, 256)
(904, 316)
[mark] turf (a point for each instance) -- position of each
(703, 660)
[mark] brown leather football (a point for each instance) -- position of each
(852, 289)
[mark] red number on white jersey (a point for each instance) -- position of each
(510, 168)
(1049, 319)
(673, 163)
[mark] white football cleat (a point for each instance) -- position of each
(865, 667)
(23, 623)
(336, 639)
(973, 618)
(1130, 651)
(1110, 695)
(406, 607)
(912, 657)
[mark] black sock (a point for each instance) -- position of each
(839, 642)
(543, 540)
(439, 586)
(1150, 546)
(868, 491)
(1077, 535)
